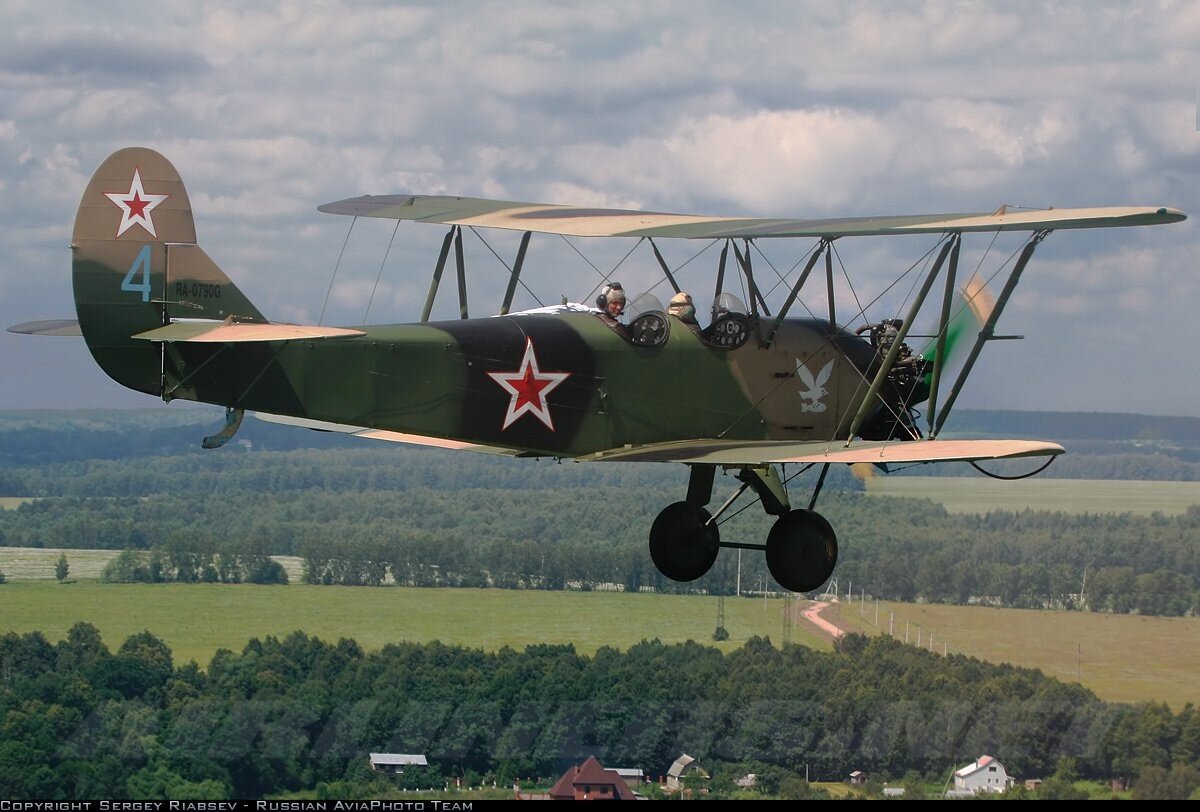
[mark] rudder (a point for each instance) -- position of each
(136, 266)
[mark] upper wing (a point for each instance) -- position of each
(762, 452)
(577, 221)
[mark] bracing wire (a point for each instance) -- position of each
(337, 265)
(507, 267)
(379, 275)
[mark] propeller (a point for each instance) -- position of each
(979, 302)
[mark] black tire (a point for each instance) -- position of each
(682, 545)
(801, 550)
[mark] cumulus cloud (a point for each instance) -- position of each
(803, 109)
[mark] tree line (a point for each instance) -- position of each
(512, 536)
(297, 714)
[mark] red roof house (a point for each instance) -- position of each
(589, 781)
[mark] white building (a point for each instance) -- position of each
(683, 765)
(396, 762)
(985, 774)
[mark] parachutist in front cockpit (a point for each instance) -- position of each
(681, 307)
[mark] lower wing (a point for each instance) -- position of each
(762, 452)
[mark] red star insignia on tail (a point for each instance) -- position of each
(529, 387)
(136, 206)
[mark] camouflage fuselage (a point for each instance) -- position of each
(600, 391)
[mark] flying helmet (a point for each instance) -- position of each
(681, 306)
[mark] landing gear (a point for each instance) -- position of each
(683, 544)
(801, 550)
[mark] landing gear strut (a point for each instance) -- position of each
(801, 548)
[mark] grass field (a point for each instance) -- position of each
(197, 619)
(980, 494)
(1123, 658)
(12, 502)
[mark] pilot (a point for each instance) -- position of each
(681, 307)
(611, 303)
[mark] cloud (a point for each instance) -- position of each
(805, 109)
(98, 57)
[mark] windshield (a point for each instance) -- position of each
(645, 303)
(728, 303)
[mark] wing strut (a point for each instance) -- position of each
(720, 278)
(829, 284)
(939, 357)
(454, 235)
(516, 274)
(756, 299)
(869, 402)
(460, 266)
(987, 333)
(663, 264)
(822, 248)
(437, 274)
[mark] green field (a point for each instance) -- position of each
(980, 494)
(1123, 658)
(197, 619)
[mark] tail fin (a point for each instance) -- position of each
(137, 266)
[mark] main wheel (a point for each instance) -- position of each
(682, 544)
(801, 550)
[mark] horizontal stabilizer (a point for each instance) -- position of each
(579, 221)
(390, 436)
(49, 327)
(762, 452)
(229, 332)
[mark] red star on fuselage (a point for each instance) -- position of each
(529, 387)
(136, 206)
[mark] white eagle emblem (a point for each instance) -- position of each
(814, 388)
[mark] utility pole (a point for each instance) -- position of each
(738, 589)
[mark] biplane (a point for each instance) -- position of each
(749, 393)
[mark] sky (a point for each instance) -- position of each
(788, 109)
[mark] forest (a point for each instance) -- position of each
(78, 721)
(371, 514)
